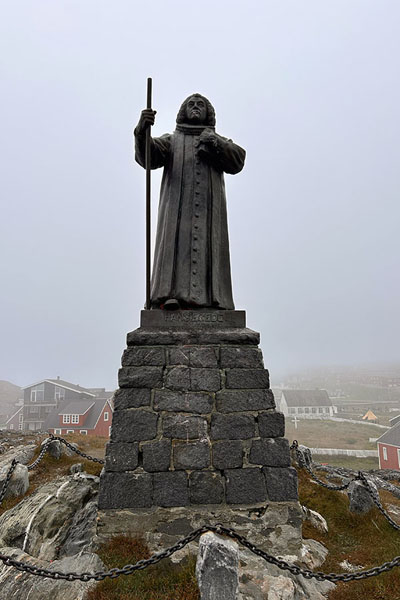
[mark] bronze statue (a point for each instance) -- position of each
(191, 263)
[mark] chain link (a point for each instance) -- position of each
(219, 529)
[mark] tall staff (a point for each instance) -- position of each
(148, 199)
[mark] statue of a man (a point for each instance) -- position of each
(191, 263)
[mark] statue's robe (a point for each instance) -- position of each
(191, 259)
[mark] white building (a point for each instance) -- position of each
(306, 403)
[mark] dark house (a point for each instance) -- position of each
(306, 403)
(41, 398)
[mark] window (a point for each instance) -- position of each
(320, 410)
(70, 431)
(313, 410)
(20, 426)
(292, 411)
(12, 426)
(83, 431)
(300, 410)
(307, 410)
(106, 416)
(398, 456)
(384, 453)
(20, 417)
(37, 393)
(57, 432)
(59, 393)
(66, 418)
(74, 418)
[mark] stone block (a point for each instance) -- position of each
(270, 452)
(194, 356)
(232, 427)
(247, 378)
(140, 377)
(149, 336)
(131, 398)
(281, 484)
(206, 487)
(192, 402)
(217, 568)
(125, 490)
(156, 455)
(122, 456)
(133, 425)
(227, 454)
(171, 489)
(192, 319)
(271, 424)
(191, 455)
(207, 380)
(138, 356)
(184, 427)
(241, 358)
(245, 486)
(244, 400)
(194, 379)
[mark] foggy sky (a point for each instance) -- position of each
(309, 88)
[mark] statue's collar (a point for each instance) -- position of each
(192, 129)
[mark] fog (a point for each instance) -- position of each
(310, 89)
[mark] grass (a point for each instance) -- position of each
(164, 581)
(317, 433)
(365, 540)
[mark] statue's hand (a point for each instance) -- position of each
(147, 118)
(209, 138)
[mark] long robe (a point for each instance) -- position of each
(191, 259)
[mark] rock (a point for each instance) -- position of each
(313, 554)
(126, 490)
(22, 454)
(19, 482)
(360, 500)
(270, 452)
(76, 468)
(232, 427)
(21, 586)
(82, 531)
(206, 487)
(227, 454)
(131, 425)
(245, 486)
(315, 519)
(306, 456)
(217, 568)
(54, 448)
(156, 455)
(41, 522)
(67, 451)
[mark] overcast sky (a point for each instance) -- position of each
(309, 88)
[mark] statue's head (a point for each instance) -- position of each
(196, 110)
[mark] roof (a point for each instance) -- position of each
(394, 420)
(307, 398)
(391, 436)
(97, 405)
(64, 384)
(76, 408)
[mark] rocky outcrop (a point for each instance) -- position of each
(217, 568)
(19, 482)
(43, 522)
(360, 500)
(21, 586)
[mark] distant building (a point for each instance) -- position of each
(306, 403)
(87, 417)
(389, 448)
(47, 395)
(16, 421)
(394, 420)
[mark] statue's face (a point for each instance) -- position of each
(196, 110)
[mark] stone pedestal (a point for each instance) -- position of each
(195, 426)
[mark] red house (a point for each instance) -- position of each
(88, 417)
(389, 448)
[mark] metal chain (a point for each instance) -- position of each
(7, 480)
(76, 450)
(220, 529)
(303, 465)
